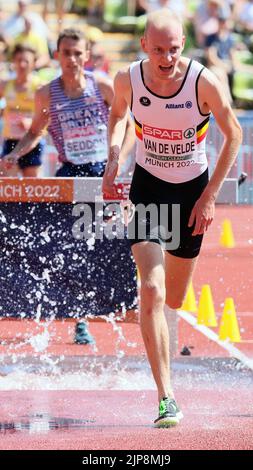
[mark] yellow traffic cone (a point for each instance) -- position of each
(189, 303)
(229, 328)
(206, 312)
(227, 236)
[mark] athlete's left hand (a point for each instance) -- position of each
(202, 213)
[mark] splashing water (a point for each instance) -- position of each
(40, 342)
(42, 370)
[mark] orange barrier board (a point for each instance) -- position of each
(36, 190)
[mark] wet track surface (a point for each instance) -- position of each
(58, 395)
(215, 396)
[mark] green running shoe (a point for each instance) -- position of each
(169, 413)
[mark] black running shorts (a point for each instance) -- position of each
(147, 190)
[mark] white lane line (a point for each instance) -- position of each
(233, 351)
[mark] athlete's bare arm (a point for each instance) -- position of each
(128, 142)
(212, 98)
(105, 85)
(117, 126)
(39, 123)
(106, 89)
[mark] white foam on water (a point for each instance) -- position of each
(91, 294)
(91, 242)
(46, 275)
(122, 380)
(3, 218)
(40, 342)
(45, 234)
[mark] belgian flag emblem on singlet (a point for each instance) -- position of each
(202, 130)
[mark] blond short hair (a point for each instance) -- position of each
(161, 18)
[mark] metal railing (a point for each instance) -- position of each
(244, 161)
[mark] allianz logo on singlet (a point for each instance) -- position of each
(145, 101)
(187, 105)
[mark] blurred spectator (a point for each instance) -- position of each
(232, 4)
(146, 6)
(222, 54)
(238, 5)
(245, 17)
(220, 50)
(19, 95)
(2, 22)
(30, 38)
(98, 61)
(4, 64)
(60, 8)
(14, 25)
(94, 35)
(206, 19)
(95, 7)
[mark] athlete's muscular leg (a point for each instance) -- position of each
(178, 272)
(149, 258)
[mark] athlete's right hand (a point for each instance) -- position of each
(9, 161)
(108, 186)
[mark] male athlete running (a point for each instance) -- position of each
(171, 98)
